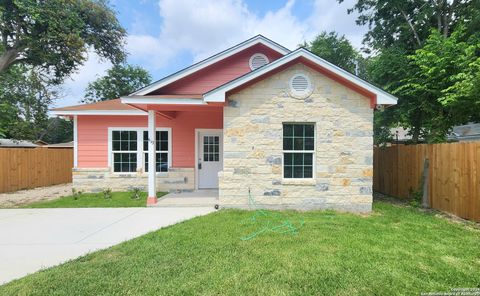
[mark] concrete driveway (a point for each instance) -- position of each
(32, 239)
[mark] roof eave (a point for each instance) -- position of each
(98, 112)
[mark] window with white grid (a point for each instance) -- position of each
(211, 148)
(124, 150)
(298, 150)
(161, 147)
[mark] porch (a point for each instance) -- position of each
(197, 129)
(195, 198)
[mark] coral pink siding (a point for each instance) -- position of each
(217, 74)
(93, 135)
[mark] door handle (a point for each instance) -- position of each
(199, 165)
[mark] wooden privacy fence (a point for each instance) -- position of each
(24, 168)
(452, 175)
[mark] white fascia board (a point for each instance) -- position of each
(218, 94)
(212, 60)
(99, 112)
(162, 101)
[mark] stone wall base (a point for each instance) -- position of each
(95, 180)
(363, 208)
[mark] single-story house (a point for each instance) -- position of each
(288, 127)
(13, 143)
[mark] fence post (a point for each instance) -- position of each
(426, 165)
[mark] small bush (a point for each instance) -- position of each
(107, 193)
(76, 193)
(135, 191)
(416, 200)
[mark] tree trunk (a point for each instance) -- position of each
(412, 27)
(415, 134)
(7, 59)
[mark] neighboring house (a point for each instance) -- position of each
(59, 145)
(465, 133)
(461, 133)
(40, 143)
(12, 143)
(287, 126)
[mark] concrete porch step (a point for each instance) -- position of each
(197, 198)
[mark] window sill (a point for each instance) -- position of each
(305, 182)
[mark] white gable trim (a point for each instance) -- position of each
(162, 101)
(212, 60)
(218, 94)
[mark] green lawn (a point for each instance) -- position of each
(95, 200)
(394, 251)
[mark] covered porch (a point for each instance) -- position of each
(201, 148)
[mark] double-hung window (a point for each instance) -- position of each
(124, 150)
(161, 155)
(298, 150)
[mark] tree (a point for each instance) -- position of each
(418, 56)
(25, 95)
(337, 50)
(442, 85)
(120, 80)
(407, 23)
(58, 130)
(54, 36)
(42, 43)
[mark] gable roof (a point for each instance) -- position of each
(259, 39)
(378, 95)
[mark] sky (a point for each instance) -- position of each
(165, 36)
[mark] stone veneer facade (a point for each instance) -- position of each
(95, 180)
(253, 145)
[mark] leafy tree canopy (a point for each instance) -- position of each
(442, 85)
(335, 49)
(407, 23)
(25, 95)
(120, 80)
(55, 35)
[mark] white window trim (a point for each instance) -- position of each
(258, 54)
(314, 156)
(140, 151)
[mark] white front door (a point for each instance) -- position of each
(210, 158)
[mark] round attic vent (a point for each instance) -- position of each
(300, 86)
(258, 60)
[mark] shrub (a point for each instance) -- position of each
(107, 193)
(136, 192)
(76, 193)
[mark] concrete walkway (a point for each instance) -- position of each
(32, 239)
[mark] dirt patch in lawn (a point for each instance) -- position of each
(22, 197)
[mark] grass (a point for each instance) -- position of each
(95, 200)
(396, 250)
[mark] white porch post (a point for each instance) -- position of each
(75, 141)
(152, 190)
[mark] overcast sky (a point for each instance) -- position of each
(165, 36)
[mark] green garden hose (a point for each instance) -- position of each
(270, 221)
